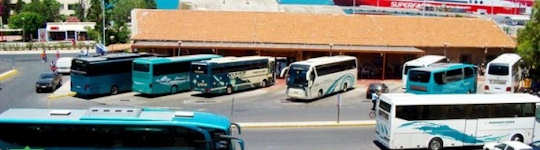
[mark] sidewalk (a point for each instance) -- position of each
(40, 51)
(63, 91)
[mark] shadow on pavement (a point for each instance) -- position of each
(159, 95)
(316, 99)
(210, 95)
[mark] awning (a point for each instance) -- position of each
(155, 44)
(293, 46)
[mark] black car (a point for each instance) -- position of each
(374, 87)
(48, 82)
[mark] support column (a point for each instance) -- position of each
(384, 66)
(65, 35)
(299, 55)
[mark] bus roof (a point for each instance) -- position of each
(235, 59)
(452, 99)
(121, 116)
(507, 58)
(425, 60)
(324, 60)
(441, 67)
(159, 60)
(112, 57)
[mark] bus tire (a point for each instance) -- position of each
(264, 83)
(517, 137)
(435, 144)
(229, 89)
(320, 93)
(114, 90)
(174, 88)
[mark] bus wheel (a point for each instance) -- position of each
(320, 93)
(435, 144)
(517, 137)
(114, 90)
(229, 89)
(173, 89)
(263, 83)
(345, 87)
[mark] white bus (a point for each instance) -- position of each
(436, 121)
(316, 77)
(503, 74)
(423, 61)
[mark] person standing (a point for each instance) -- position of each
(44, 56)
(374, 98)
(57, 54)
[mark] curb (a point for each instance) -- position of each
(8, 74)
(309, 124)
(59, 95)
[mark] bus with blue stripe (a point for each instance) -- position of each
(115, 128)
(229, 74)
(443, 78)
(108, 74)
(317, 77)
(438, 121)
(164, 75)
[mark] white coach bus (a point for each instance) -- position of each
(435, 121)
(423, 61)
(503, 74)
(316, 77)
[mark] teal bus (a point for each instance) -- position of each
(108, 74)
(159, 75)
(116, 128)
(229, 74)
(443, 78)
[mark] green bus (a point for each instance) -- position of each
(164, 75)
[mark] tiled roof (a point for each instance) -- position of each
(272, 27)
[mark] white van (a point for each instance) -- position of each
(423, 61)
(503, 74)
(64, 65)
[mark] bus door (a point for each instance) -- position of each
(471, 126)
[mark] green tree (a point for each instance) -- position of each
(95, 15)
(529, 42)
(79, 12)
(48, 8)
(18, 6)
(29, 22)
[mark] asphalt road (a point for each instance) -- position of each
(19, 91)
(358, 138)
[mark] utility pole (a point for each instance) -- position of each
(103, 13)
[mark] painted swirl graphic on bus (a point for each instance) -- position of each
(444, 131)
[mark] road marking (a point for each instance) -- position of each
(320, 124)
(59, 95)
(8, 74)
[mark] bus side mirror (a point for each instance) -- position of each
(235, 139)
(283, 72)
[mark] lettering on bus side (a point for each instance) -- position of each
(233, 75)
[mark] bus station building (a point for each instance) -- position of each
(381, 43)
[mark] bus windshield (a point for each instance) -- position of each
(199, 69)
(407, 69)
(498, 69)
(297, 75)
(141, 67)
(419, 76)
(100, 137)
(79, 66)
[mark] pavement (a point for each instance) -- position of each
(63, 91)
(40, 51)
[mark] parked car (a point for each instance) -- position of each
(64, 65)
(48, 82)
(507, 145)
(535, 145)
(374, 87)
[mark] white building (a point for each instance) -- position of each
(61, 31)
